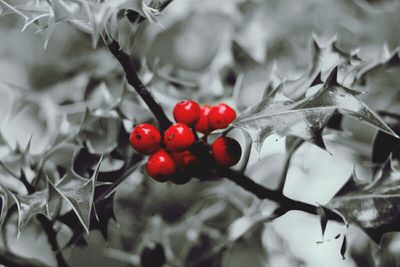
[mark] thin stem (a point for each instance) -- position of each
(196, 136)
(288, 156)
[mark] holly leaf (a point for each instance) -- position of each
(374, 206)
(99, 220)
(99, 133)
(388, 60)
(29, 11)
(30, 206)
(307, 118)
(5, 203)
(78, 192)
(19, 162)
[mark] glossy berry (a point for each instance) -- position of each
(160, 165)
(153, 255)
(221, 116)
(183, 159)
(202, 125)
(187, 112)
(226, 151)
(145, 138)
(178, 137)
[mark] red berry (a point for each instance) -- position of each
(160, 165)
(221, 116)
(178, 137)
(187, 112)
(226, 151)
(183, 159)
(202, 125)
(145, 138)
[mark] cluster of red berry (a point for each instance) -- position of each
(169, 154)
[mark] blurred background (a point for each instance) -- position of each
(211, 51)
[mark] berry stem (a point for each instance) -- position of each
(196, 136)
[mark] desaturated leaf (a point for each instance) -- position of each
(30, 206)
(372, 207)
(242, 225)
(307, 118)
(5, 203)
(19, 162)
(104, 215)
(191, 43)
(98, 15)
(369, 69)
(99, 221)
(346, 101)
(99, 133)
(64, 10)
(29, 11)
(327, 56)
(78, 192)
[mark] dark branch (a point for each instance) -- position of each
(134, 80)
(201, 149)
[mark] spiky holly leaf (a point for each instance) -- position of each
(78, 192)
(327, 56)
(324, 57)
(20, 162)
(307, 118)
(30, 11)
(388, 60)
(89, 16)
(30, 206)
(99, 221)
(373, 207)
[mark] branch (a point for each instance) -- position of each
(202, 151)
(134, 80)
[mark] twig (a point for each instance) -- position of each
(288, 156)
(134, 80)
